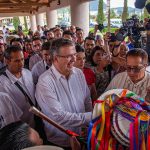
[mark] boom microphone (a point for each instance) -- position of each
(140, 4)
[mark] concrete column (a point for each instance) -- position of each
(51, 17)
(40, 19)
(33, 25)
(80, 14)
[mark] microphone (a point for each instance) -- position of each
(140, 4)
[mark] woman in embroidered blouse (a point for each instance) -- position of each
(100, 60)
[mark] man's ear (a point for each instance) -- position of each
(7, 61)
(55, 58)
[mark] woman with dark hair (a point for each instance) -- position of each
(17, 136)
(100, 60)
(88, 73)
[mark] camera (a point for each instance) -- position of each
(112, 37)
(132, 27)
(100, 27)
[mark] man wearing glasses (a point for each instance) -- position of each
(136, 78)
(62, 93)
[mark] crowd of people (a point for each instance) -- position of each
(62, 73)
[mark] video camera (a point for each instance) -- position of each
(132, 27)
(100, 27)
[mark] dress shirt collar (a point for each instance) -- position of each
(12, 78)
(138, 83)
(58, 75)
(45, 64)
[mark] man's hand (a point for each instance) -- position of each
(75, 145)
(119, 60)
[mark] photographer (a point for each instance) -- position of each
(147, 27)
(117, 50)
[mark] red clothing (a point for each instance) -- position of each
(25, 55)
(89, 76)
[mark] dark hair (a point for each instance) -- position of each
(95, 49)
(79, 48)
(36, 38)
(10, 49)
(46, 46)
(138, 52)
(43, 38)
(57, 29)
(78, 29)
(15, 136)
(68, 33)
(58, 43)
(89, 38)
(48, 31)
(28, 41)
(16, 40)
(51, 29)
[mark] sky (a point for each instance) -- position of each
(119, 3)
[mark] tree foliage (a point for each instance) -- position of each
(112, 13)
(25, 23)
(16, 22)
(100, 16)
(109, 15)
(146, 14)
(125, 11)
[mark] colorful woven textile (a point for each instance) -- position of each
(121, 120)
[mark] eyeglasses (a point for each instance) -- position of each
(68, 56)
(134, 69)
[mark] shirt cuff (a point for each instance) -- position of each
(88, 117)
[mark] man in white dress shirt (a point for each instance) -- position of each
(37, 45)
(9, 111)
(15, 73)
(43, 65)
(2, 49)
(62, 93)
(136, 78)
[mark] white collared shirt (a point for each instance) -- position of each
(9, 111)
(66, 101)
(33, 60)
(123, 81)
(38, 69)
(7, 86)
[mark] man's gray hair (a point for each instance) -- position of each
(58, 43)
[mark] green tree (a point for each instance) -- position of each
(112, 13)
(146, 14)
(25, 23)
(108, 15)
(100, 16)
(125, 11)
(16, 22)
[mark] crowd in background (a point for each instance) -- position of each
(62, 73)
